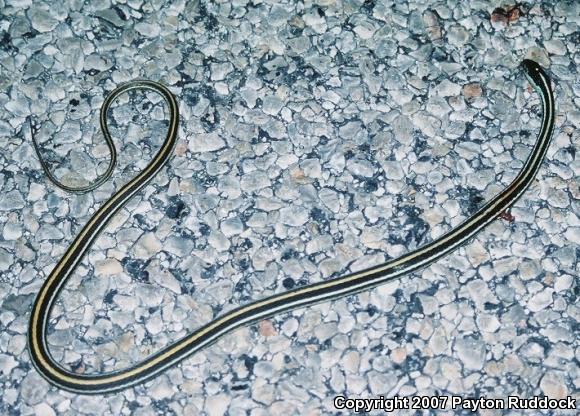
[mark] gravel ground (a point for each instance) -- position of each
(315, 138)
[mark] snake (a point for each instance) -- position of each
(299, 297)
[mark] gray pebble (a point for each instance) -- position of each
(271, 104)
(232, 226)
(178, 246)
(471, 352)
(6, 259)
(293, 216)
(33, 389)
(540, 300)
(42, 20)
(11, 200)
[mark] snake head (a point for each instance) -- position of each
(534, 72)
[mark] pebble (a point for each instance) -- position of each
(480, 293)
(267, 329)
(488, 323)
(555, 47)
(219, 241)
(146, 246)
(540, 300)
(316, 22)
(293, 216)
(207, 143)
(44, 409)
(166, 279)
(471, 352)
(33, 389)
(12, 231)
(17, 303)
(146, 29)
(553, 386)
(49, 232)
(398, 355)
(393, 170)
(563, 282)
(110, 16)
(472, 90)
(42, 20)
(361, 168)
(6, 259)
(178, 246)
(271, 105)
(364, 30)
(7, 364)
(254, 181)
(219, 71)
(558, 198)
(108, 267)
(89, 404)
(457, 35)
(432, 26)
(11, 200)
(446, 88)
(162, 390)
(379, 382)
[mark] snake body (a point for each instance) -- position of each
(296, 298)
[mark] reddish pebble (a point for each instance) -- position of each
(506, 215)
(180, 149)
(506, 15)
(472, 91)
(267, 329)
